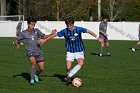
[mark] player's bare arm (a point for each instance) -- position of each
(50, 36)
(103, 33)
(17, 44)
(92, 33)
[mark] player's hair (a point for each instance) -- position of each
(31, 19)
(69, 20)
(104, 17)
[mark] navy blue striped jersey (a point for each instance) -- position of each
(73, 39)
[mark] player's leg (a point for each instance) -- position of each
(40, 66)
(68, 66)
(40, 62)
(108, 49)
(101, 49)
(32, 70)
(80, 59)
(69, 60)
(136, 46)
(77, 67)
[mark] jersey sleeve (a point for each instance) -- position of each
(19, 26)
(81, 29)
(20, 36)
(39, 33)
(61, 33)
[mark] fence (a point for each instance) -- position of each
(115, 30)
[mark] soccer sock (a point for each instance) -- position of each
(108, 50)
(74, 70)
(32, 73)
(135, 46)
(68, 72)
(101, 50)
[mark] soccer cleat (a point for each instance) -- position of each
(32, 82)
(108, 54)
(36, 78)
(100, 55)
(68, 80)
(133, 49)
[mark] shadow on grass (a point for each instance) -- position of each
(59, 76)
(135, 49)
(26, 76)
(98, 54)
(95, 53)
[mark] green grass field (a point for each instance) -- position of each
(119, 73)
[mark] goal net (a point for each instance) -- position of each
(8, 25)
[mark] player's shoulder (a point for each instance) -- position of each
(79, 28)
(24, 31)
(36, 29)
(63, 30)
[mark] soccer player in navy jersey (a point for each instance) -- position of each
(74, 46)
(31, 36)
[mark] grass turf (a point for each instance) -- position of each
(118, 73)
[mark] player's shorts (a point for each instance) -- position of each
(104, 38)
(71, 56)
(38, 55)
(139, 36)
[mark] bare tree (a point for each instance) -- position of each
(58, 9)
(99, 9)
(113, 8)
(20, 6)
(3, 7)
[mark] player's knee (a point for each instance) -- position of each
(42, 69)
(81, 63)
(33, 64)
(102, 45)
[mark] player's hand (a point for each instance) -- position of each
(106, 35)
(16, 44)
(41, 41)
(100, 40)
(54, 32)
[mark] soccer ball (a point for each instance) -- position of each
(77, 82)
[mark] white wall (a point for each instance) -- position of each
(116, 30)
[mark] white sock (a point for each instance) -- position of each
(68, 72)
(74, 70)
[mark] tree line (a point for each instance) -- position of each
(87, 10)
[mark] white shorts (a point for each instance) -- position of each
(71, 56)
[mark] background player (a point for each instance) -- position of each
(34, 53)
(74, 46)
(138, 43)
(103, 35)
